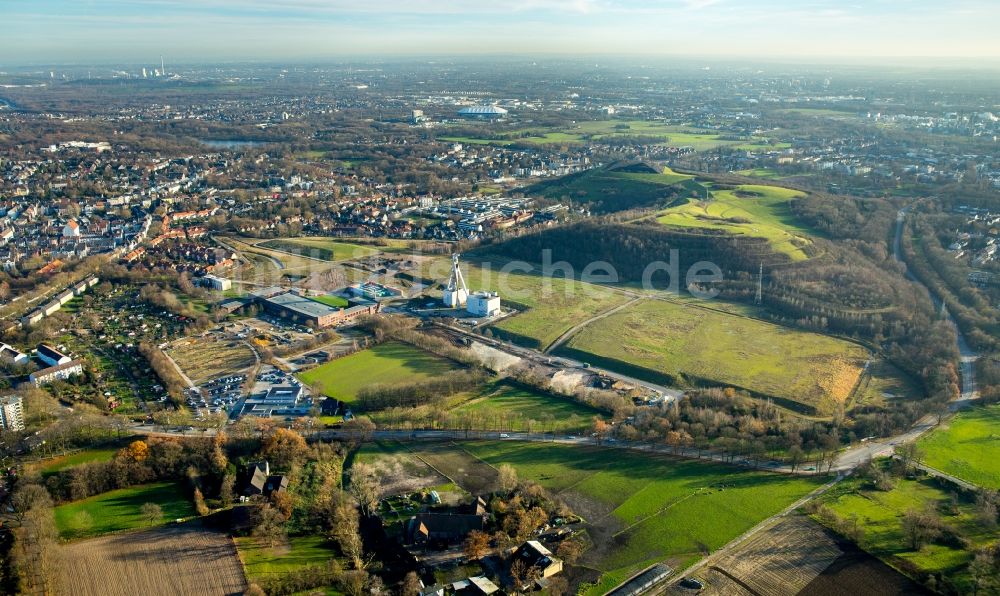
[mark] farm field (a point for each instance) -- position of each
(796, 555)
(881, 512)
(967, 446)
(325, 249)
(644, 508)
(206, 358)
(262, 562)
(456, 464)
(178, 559)
(62, 462)
(674, 343)
(388, 363)
(699, 139)
(120, 510)
(751, 210)
(552, 306)
(509, 407)
(400, 469)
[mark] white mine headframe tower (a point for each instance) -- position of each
(457, 293)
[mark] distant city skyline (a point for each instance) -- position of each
(59, 31)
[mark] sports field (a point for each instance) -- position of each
(390, 363)
(325, 249)
(121, 510)
(330, 300)
(669, 342)
(751, 210)
(967, 446)
(643, 508)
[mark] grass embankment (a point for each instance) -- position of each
(674, 343)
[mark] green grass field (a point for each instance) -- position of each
(388, 363)
(767, 173)
(670, 135)
(880, 514)
(644, 508)
(121, 510)
(512, 405)
(325, 249)
(607, 190)
(670, 342)
(331, 300)
(751, 210)
(968, 446)
(262, 562)
(57, 464)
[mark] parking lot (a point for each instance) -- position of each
(215, 396)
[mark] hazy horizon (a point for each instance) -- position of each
(139, 31)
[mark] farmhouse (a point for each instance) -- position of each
(442, 527)
(56, 373)
(258, 480)
(535, 555)
(474, 586)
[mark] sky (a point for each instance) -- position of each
(75, 31)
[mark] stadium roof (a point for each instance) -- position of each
(482, 111)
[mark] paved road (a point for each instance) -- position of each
(576, 328)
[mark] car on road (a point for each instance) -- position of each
(504, 436)
(691, 584)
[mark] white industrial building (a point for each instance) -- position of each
(456, 293)
(220, 284)
(484, 304)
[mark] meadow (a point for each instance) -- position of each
(686, 344)
(643, 508)
(608, 190)
(119, 510)
(389, 363)
(967, 446)
(262, 562)
(86, 456)
(752, 210)
(880, 514)
(325, 249)
(507, 406)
